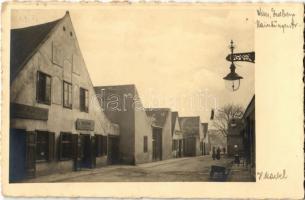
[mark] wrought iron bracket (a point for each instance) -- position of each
(244, 57)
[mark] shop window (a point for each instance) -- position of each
(145, 144)
(65, 146)
(45, 146)
(101, 145)
(67, 95)
(83, 100)
(43, 88)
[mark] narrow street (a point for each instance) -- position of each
(181, 169)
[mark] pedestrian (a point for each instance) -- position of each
(214, 153)
(218, 153)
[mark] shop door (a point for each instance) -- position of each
(17, 155)
(113, 149)
(30, 154)
(86, 151)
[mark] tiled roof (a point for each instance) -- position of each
(24, 42)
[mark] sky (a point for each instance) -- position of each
(174, 55)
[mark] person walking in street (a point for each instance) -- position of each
(218, 153)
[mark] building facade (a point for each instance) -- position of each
(122, 105)
(177, 135)
(192, 135)
(249, 135)
(161, 119)
(55, 121)
(235, 144)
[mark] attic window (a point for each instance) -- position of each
(64, 28)
(71, 34)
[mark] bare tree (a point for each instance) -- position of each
(224, 115)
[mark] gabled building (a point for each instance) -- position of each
(177, 135)
(122, 105)
(205, 143)
(160, 119)
(55, 121)
(192, 135)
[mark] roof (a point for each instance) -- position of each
(190, 125)
(250, 107)
(25, 42)
(174, 117)
(158, 115)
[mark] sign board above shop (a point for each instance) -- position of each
(85, 124)
(28, 112)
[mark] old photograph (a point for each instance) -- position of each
(139, 95)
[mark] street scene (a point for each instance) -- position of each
(117, 99)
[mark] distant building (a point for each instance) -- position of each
(249, 135)
(161, 120)
(235, 143)
(205, 143)
(192, 135)
(177, 135)
(55, 124)
(123, 106)
(217, 139)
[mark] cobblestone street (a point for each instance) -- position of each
(180, 169)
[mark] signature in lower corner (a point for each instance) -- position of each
(265, 175)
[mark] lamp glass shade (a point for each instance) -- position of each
(232, 85)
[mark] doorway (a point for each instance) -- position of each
(113, 149)
(157, 144)
(17, 155)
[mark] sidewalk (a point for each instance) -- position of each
(240, 173)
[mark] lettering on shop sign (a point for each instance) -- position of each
(28, 112)
(265, 175)
(85, 124)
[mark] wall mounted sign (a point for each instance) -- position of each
(28, 112)
(85, 124)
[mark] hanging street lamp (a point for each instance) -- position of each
(233, 79)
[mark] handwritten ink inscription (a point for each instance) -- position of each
(276, 19)
(272, 175)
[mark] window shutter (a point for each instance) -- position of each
(74, 146)
(93, 152)
(51, 140)
(30, 154)
(60, 146)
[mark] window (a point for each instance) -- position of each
(101, 145)
(83, 100)
(45, 142)
(42, 149)
(145, 144)
(65, 146)
(43, 88)
(67, 95)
